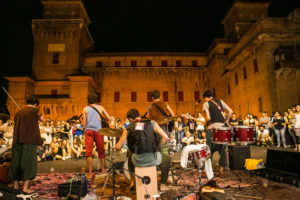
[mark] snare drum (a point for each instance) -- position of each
(222, 135)
(201, 154)
(243, 134)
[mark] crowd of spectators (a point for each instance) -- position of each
(65, 139)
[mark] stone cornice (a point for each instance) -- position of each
(68, 2)
(143, 69)
(162, 54)
(266, 29)
(249, 4)
(19, 79)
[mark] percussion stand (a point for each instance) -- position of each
(199, 163)
(172, 166)
(145, 180)
(227, 157)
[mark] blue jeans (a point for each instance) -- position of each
(221, 148)
(280, 133)
(180, 136)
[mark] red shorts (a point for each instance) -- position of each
(91, 137)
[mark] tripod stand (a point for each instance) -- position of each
(146, 180)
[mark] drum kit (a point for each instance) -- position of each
(241, 135)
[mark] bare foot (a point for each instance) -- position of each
(29, 191)
(163, 187)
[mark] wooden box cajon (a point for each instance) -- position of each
(151, 187)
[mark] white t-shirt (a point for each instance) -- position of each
(297, 120)
(263, 134)
(188, 140)
(200, 126)
(47, 137)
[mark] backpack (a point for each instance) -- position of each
(141, 137)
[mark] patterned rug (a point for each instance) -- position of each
(46, 184)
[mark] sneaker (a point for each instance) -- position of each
(278, 145)
(284, 146)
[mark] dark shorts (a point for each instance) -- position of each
(91, 137)
(23, 163)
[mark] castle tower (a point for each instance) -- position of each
(60, 39)
(242, 16)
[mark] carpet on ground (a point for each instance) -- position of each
(46, 185)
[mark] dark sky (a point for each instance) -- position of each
(126, 26)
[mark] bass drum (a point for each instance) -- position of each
(125, 166)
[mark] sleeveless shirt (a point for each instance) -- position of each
(154, 113)
(93, 121)
(215, 114)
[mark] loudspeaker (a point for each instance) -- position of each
(283, 160)
(237, 156)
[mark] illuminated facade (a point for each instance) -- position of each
(253, 68)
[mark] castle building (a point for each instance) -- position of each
(255, 67)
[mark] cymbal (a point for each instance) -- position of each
(110, 132)
(167, 120)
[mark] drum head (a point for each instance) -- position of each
(125, 166)
(242, 127)
(223, 128)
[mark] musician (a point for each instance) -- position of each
(214, 110)
(26, 138)
(92, 122)
(157, 112)
(143, 143)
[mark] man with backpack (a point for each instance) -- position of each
(144, 138)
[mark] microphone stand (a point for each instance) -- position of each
(145, 180)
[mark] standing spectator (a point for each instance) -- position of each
(172, 143)
(180, 129)
(78, 129)
(233, 121)
(191, 124)
(297, 124)
(247, 119)
(289, 123)
(279, 128)
(47, 135)
(200, 120)
(65, 130)
(25, 140)
(265, 121)
(8, 129)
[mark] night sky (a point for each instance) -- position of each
(125, 26)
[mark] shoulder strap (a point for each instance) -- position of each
(97, 111)
(219, 107)
(160, 110)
